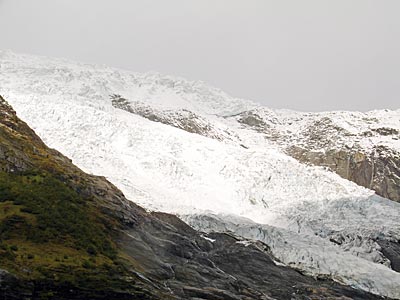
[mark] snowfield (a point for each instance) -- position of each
(179, 148)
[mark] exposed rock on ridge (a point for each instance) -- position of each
(378, 170)
(322, 142)
(183, 119)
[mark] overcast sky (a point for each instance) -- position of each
(308, 55)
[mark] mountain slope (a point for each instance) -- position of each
(184, 148)
(361, 147)
(69, 235)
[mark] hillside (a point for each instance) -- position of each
(228, 165)
(69, 235)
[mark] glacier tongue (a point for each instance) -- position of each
(312, 254)
(311, 218)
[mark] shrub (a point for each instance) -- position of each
(87, 264)
(61, 214)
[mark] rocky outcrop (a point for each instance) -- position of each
(258, 123)
(13, 288)
(391, 249)
(219, 266)
(182, 119)
(378, 169)
(320, 141)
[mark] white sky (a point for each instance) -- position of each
(308, 55)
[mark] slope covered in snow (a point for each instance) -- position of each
(186, 148)
(361, 147)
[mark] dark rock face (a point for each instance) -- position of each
(14, 289)
(219, 266)
(157, 255)
(391, 250)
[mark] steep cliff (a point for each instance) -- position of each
(377, 169)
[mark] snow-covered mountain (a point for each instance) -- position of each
(227, 164)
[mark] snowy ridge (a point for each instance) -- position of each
(67, 78)
(299, 210)
(345, 129)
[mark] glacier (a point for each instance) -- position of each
(176, 146)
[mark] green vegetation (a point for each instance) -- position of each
(47, 225)
(54, 237)
(50, 211)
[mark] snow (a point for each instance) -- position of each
(208, 239)
(256, 191)
(352, 127)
